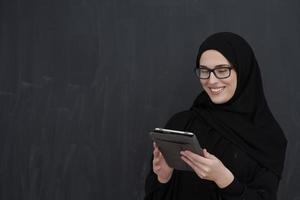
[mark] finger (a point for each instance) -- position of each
(199, 166)
(197, 169)
(207, 154)
(157, 150)
(156, 168)
(156, 164)
(155, 153)
(194, 157)
(156, 159)
(154, 145)
(189, 162)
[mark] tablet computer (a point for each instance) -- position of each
(171, 142)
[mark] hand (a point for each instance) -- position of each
(160, 166)
(208, 167)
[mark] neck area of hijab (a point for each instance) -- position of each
(245, 119)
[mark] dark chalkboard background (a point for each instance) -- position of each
(83, 81)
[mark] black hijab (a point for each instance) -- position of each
(245, 119)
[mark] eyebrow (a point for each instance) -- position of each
(216, 66)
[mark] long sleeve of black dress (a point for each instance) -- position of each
(155, 190)
(264, 187)
(252, 181)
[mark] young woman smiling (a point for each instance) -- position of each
(244, 145)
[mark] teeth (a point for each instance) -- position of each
(216, 90)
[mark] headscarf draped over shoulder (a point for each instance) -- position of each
(245, 119)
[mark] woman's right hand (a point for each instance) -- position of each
(160, 166)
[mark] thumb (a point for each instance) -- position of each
(154, 145)
(207, 154)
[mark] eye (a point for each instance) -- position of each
(222, 70)
(203, 71)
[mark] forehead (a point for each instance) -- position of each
(211, 58)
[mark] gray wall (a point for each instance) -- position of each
(83, 81)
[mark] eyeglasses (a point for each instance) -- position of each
(220, 71)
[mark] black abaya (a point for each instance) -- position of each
(242, 133)
(252, 180)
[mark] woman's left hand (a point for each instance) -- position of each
(208, 167)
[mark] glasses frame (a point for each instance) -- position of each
(230, 67)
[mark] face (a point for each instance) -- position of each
(219, 90)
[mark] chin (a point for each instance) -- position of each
(219, 100)
(224, 97)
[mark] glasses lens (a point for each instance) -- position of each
(222, 72)
(203, 73)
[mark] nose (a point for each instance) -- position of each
(212, 78)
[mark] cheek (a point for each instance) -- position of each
(203, 83)
(231, 92)
(232, 84)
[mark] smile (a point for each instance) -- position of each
(216, 91)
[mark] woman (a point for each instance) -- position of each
(244, 145)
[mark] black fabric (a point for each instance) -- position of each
(242, 133)
(251, 180)
(245, 119)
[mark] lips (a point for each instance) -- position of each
(216, 90)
